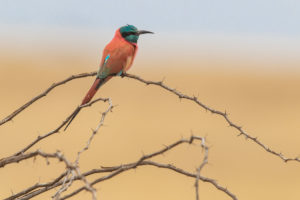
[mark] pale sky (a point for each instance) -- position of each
(255, 30)
(266, 17)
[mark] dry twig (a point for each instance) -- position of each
(56, 130)
(162, 85)
(72, 173)
(38, 189)
(198, 170)
(54, 85)
(213, 111)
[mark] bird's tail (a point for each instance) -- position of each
(72, 117)
(98, 82)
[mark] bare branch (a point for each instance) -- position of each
(37, 186)
(43, 94)
(72, 172)
(162, 85)
(75, 171)
(56, 130)
(124, 168)
(202, 178)
(21, 157)
(115, 170)
(96, 130)
(213, 111)
(198, 170)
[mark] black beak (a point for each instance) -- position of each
(144, 32)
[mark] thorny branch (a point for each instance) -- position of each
(213, 111)
(72, 172)
(56, 130)
(68, 181)
(162, 85)
(21, 157)
(72, 169)
(43, 94)
(198, 170)
(115, 170)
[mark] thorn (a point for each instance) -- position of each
(181, 136)
(47, 161)
(34, 159)
(191, 140)
(180, 97)
(192, 134)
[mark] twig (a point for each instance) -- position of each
(37, 186)
(54, 85)
(124, 168)
(39, 138)
(75, 171)
(141, 162)
(213, 111)
(115, 170)
(198, 170)
(94, 132)
(21, 157)
(162, 85)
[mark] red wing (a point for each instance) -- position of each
(115, 57)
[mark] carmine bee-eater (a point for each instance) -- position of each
(117, 58)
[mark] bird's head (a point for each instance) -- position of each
(131, 33)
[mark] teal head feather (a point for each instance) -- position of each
(131, 33)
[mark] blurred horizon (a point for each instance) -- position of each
(263, 32)
(269, 54)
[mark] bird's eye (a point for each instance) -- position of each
(125, 34)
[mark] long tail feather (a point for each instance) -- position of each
(92, 91)
(73, 116)
(97, 83)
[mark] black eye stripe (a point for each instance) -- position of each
(125, 34)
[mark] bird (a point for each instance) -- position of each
(117, 58)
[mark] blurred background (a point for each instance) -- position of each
(238, 56)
